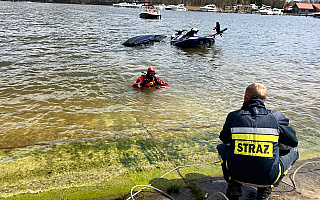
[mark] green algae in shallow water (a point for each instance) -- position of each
(108, 168)
(97, 164)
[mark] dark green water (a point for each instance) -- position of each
(64, 74)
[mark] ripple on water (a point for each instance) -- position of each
(68, 77)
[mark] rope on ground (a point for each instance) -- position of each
(292, 180)
(176, 168)
(149, 186)
(179, 167)
(155, 144)
(218, 192)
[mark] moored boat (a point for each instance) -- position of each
(265, 10)
(316, 14)
(150, 14)
(209, 8)
(160, 7)
(170, 7)
(181, 7)
(128, 5)
(277, 11)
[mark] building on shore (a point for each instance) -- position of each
(305, 8)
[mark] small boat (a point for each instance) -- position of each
(190, 39)
(143, 39)
(170, 7)
(150, 14)
(128, 5)
(120, 4)
(316, 14)
(209, 8)
(277, 11)
(181, 7)
(160, 7)
(265, 10)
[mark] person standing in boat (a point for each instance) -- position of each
(149, 80)
(259, 146)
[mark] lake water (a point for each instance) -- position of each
(64, 74)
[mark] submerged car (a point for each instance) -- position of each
(144, 39)
(188, 39)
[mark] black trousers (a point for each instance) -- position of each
(287, 159)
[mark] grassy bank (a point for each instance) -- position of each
(107, 169)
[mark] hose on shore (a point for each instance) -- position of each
(179, 167)
(176, 168)
(185, 166)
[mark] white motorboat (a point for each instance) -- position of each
(170, 7)
(209, 8)
(150, 14)
(128, 5)
(277, 11)
(160, 7)
(316, 14)
(265, 10)
(120, 4)
(181, 7)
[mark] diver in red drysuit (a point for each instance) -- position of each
(149, 80)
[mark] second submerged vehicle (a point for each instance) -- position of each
(189, 39)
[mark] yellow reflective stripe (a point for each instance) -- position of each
(278, 175)
(229, 177)
(254, 137)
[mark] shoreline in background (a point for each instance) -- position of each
(197, 9)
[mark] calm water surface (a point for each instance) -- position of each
(64, 74)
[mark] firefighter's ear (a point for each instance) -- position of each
(246, 97)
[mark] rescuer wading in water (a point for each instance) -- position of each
(149, 80)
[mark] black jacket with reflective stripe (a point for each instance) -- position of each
(254, 134)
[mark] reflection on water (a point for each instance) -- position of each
(66, 76)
